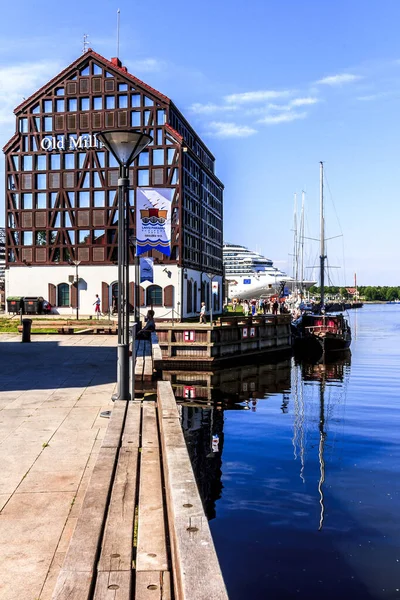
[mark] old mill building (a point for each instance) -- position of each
(61, 200)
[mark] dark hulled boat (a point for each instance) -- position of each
(319, 332)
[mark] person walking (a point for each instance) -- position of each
(203, 313)
(275, 307)
(96, 305)
(246, 308)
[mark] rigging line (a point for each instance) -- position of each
(333, 202)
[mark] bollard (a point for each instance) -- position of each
(26, 330)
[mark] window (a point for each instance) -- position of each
(27, 238)
(36, 109)
(98, 199)
(63, 294)
(110, 102)
(48, 124)
(23, 125)
(159, 137)
(85, 71)
(143, 159)
(100, 158)
(27, 201)
(81, 159)
(146, 117)
(53, 198)
(55, 162)
(148, 101)
(72, 104)
(69, 162)
(158, 157)
(41, 162)
(112, 161)
(143, 177)
(47, 106)
(85, 104)
(83, 236)
(154, 296)
(123, 101)
(97, 103)
(122, 87)
(41, 181)
(40, 238)
(60, 92)
(41, 200)
(60, 105)
(96, 70)
(135, 100)
(98, 236)
(135, 118)
(84, 199)
(160, 117)
(171, 154)
(27, 163)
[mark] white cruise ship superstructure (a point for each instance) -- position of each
(249, 274)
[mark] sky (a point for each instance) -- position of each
(272, 88)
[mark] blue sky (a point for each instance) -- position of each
(272, 88)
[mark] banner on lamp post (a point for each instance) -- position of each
(146, 269)
(153, 219)
(215, 287)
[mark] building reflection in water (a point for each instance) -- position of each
(314, 393)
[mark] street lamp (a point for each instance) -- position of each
(76, 263)
(125, 146)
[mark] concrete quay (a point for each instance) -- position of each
(51, 394)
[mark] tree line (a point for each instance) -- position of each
(371, 293)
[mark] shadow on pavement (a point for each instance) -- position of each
(48, 365)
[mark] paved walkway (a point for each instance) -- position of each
(51, 394)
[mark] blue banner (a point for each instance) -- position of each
(153, 219)
(146, 269)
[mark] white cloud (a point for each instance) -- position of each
(282, 118)
(18, 82)
(206, 109)
(230, 130)
(307, 101)
(339, 79)
(260, 96)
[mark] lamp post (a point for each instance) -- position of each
(211, 277)
(125, 146)
(76, 263)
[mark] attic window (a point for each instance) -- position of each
(97, 70)
(122, 87)
(60, 92)
(36, 109)
(85, 71)
(109, 74)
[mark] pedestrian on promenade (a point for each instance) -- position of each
(234, 304)
(253, 309)
(275, 307)
(96, 304)
(246, 308)
(203, 313)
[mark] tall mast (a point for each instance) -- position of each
(295, 249)
(321, 448)
(322, 250)
(301, 242)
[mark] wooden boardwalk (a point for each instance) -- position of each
(142, 532)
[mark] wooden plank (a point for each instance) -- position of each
(153, 585)
(172, 432)
(149, 425)
(113, 434)
(113, 585)
(130, 435)
(72, 586)
(151, 539)
(117, 546)
(85, 541)
(195, 567)
(166, 400)
(156, 350)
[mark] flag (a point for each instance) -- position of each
(146, 269)
(153, 219)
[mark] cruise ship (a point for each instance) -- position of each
(249, 274)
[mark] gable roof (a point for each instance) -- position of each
(81, 60)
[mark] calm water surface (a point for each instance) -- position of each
(300, 478)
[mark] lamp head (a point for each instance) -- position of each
(125, 144)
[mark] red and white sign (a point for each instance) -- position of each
(189, 336)
(189, 391)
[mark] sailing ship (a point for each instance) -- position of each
(317, 332)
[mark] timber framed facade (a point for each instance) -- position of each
(61, 185)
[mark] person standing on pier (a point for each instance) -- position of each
(203, 313)
(96, 304)
(246, 308)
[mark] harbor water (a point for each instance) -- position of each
(300, 471)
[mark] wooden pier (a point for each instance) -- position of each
(142, 533)
(195, 344)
